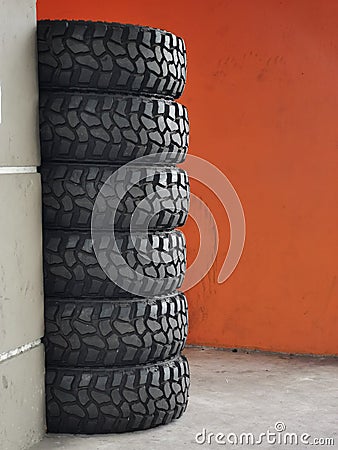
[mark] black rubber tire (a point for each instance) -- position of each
(72, 270)
(106, 128)
(70, 191)
(85, 333)
(115, 400)
(111, 57)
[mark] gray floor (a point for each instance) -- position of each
(238, 393)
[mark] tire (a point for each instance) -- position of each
(85, 333)
(70, 191)
(107, 400)
(110, 57)
(72, 269)
(108, 128)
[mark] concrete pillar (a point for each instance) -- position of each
(21, 285)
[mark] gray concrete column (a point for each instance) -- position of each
(22, 420)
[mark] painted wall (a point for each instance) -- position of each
(262, 93)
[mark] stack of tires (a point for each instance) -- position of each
(113, 348)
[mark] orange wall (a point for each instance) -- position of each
(262, 93)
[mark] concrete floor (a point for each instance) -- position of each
(237, 393)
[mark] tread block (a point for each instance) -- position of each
(98, 127)
(102, 332)
(71, 267)
(69, 193)
(108, 400)
(110, 57)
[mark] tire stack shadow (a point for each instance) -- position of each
(107, 98)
